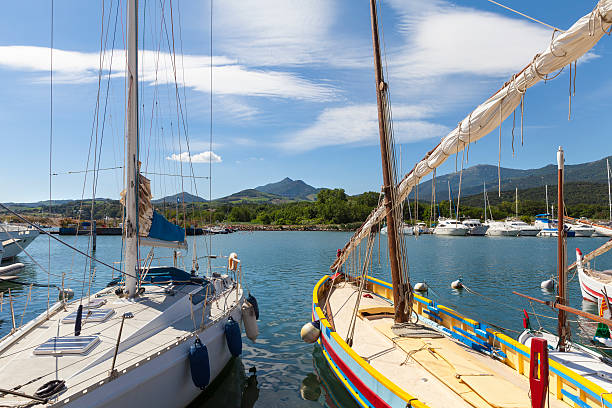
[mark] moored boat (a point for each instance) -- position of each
(15, 238)
(476, 228)
(389, 346)
(449, 226)
(501, 229)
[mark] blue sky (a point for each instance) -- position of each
(293, 90)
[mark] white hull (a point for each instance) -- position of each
(583, 233)
(603, 231)
(450, 231)
(406, 230)
(15, 238)
(153, 368)
(165, 380)
(592, 284)
(528, 232)
(480, 230)
(13, 247)
(498, 232)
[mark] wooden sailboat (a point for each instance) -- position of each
(390, 347)
(154, 338)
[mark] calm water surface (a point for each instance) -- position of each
(281, 269)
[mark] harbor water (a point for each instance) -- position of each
(281, 268)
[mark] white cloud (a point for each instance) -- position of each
(286, 32)
(442, 39)
(229, 77)
(358, 125)
(204, 157)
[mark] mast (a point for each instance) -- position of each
(131, 182)
(484, 196)
(546, 187)
(516, 202)
(562, 278)
(389, 182)
(450, 202)
(609, 195)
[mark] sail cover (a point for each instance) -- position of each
(153, 228)
(564, 49)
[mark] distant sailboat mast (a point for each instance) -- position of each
(609, 195)
(516, 202)
(131, 182)
(546, 187)
(484, 196)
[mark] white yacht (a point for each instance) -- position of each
(406, 230)
(525, 230)
(422, 228)
(581, 230)
(476, 228)
(500, 229)
(15, 238)
(450, 227)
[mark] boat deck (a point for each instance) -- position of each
(437, 370)
(160, 320)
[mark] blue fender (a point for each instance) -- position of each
(233, 336)
(199, 364)
(251, 299)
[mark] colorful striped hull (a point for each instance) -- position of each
(369, 388)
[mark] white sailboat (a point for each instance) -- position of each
(154, 338)
(15, 238)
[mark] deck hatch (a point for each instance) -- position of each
(67, 345)
(89, 315)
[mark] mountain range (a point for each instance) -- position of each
(581, 178)
(473, 178)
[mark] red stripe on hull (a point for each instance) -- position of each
(371, 396)
(593, 293)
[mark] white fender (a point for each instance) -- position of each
(249, 320)
(232, 261)
(310, 332)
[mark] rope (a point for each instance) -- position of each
(525, 15)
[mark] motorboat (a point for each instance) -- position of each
(405, 229)
(450, 227)
(15, 238)
(525, 230)
(422, 228)
(501, 229)
(581, 230)
(475, 227)
(548, 227)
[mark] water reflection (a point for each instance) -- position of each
(333, 392)
(232, 389)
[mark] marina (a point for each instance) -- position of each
(202, 283)
(282, 360)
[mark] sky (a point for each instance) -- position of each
(292, 91)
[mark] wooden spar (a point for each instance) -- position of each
(561, 256)
(398, 302)
(559, 306)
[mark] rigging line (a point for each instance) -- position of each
(525, 15)
(25, 220)
(210, 143)
(97, 150)
(86, 171)
(50, 147)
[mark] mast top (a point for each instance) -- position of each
(560, 158)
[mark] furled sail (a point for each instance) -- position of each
(153, 228)
(564, 49)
